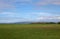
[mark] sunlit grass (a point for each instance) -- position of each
(29, 31)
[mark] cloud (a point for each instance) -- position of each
(5, 5)
(11, 4)
(11, 20)
(49, 17)
(11, 17)
(8, 14)
(47, 2)
(43, 16)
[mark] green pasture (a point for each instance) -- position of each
(29, 31)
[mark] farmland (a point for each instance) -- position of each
(29, 31)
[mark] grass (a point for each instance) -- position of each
(29, 31)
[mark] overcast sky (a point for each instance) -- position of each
(29, 10)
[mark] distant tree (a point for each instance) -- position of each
(49, 23)
(58, 22)
(43, 23)
(52, 23)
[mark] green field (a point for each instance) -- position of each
(29, 31)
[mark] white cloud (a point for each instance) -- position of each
(41, 16)
(49, 17)
(10, 17)
(8, 14)
(13, 20)
(9, 4)
(47, 2)
(5, 5)
(10, 20)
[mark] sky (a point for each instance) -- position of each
(12, 11)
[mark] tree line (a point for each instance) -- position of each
(45, 23)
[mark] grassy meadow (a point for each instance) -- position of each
(29, 31)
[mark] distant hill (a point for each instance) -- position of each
(18, 23)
